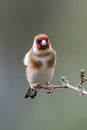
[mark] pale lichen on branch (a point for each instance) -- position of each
(64, 83)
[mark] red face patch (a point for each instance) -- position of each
(41, 36)
(43, 47)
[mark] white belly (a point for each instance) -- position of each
(42, 75)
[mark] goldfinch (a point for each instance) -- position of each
(40, 63)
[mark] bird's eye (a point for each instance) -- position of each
(46, 39)
(38, 41)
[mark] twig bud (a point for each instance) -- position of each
(82, 74)
(82, 71)
(63, 78)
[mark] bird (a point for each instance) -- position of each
(40, 62)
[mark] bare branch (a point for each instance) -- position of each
(64, 83)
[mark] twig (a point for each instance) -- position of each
(64, 83)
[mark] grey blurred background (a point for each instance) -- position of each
(65, 22)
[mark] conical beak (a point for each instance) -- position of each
(43, 42)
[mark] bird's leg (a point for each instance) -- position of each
(50, 88)
(33, 86)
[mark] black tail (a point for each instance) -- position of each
(31, 93)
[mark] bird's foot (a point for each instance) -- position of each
(35, 86)
(50, 88)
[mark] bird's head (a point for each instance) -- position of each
(41, 44)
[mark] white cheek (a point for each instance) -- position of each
(35, 49)
(34, 42)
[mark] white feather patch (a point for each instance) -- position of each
(26, 59)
